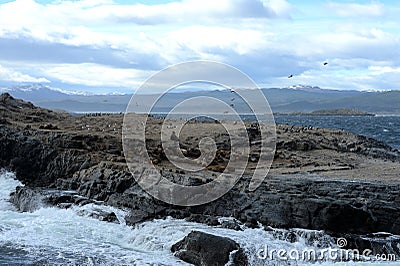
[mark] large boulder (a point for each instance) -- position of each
(204, 249)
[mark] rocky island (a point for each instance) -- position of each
(331, 180)
(337, 112)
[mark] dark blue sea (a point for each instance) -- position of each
(383, 128)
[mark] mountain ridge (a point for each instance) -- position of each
(298, 98)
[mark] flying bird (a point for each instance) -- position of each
(325, 63)
(290, 76)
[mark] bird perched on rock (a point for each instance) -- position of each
(174, 137)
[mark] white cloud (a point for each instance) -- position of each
(189, 10)
(378, 70)
(384, 77)
(15, 76)
(29, 12)
(359, 74)
(280, 7)
(104, 23)
(101, 43)
(96, 75)
(361, 42)
(202, 39)
(356, 10)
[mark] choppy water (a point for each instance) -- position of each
(52, 236)
(383, 128)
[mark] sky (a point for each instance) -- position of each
(105, 46)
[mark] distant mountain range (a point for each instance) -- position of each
(38, 92)
(282, 100)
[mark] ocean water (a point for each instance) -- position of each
(52, 236)
(383, 128)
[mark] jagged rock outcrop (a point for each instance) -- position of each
(27, 199)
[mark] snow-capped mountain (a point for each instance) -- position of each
(39, 92)
(305, 88)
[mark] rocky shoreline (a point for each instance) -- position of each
(320, 179)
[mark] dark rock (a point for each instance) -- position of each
(7, 100)
(4, 121)
(137, 216)
(200, 248)
(110, 217)
(231, 224)
(212, 221)
(48, 126)
(35, 162)
(123, 184)
(298, 144)
(26, 199)
(100, 214)
(378, 243)
(342, 218)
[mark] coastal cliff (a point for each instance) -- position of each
(331, 180)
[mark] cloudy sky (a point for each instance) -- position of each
(105, 46)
